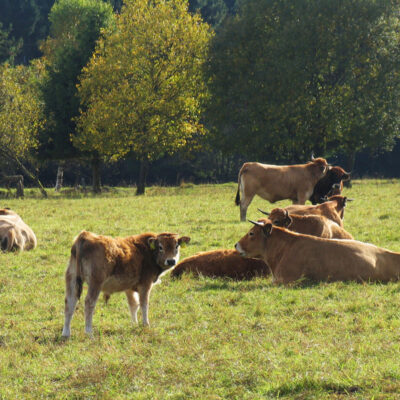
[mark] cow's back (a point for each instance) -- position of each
(338, 260)
(221, 263)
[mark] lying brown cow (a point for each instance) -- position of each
(15, 234)
(273, 182)
(132, 264)
(330, 184)
(292, 256)
(315, 225)
(332, 209)
(221, 263)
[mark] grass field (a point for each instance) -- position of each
(209, 339)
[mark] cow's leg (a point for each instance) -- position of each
(133, 302)
(144, 295)
(90, 304)
(71, 298)
(244, 204)
(302, 198)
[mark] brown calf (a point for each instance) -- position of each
(274, 182)
(292, 256)
(132, 264)
(332, 209)
(15, 234)
(222, 263)
(315, 225)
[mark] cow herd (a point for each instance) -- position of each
(291, 243)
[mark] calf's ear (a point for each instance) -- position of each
(152, 243)
(267, 228)
(183, 240)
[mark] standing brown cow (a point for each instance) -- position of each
(274, 182)
(132, 264)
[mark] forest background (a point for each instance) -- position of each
(124, 93)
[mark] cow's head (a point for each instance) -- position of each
(320, 165)
(280, 217)
(165, 247)
(253, 243)
(338, 174)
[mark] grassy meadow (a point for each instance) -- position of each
(209, 338)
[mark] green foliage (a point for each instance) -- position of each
(21, 112)
(75, 27)
(213, 11)
(209, 339)
(144, 88)
(291, 77)
(26, 23)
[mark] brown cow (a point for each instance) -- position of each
(273, 182)
(221, 263)
(332, 209)
(292, 256)
(330, 184)
(132, 264)
(15, 234)
(315, 225)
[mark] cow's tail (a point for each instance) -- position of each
(237, 199)
(76, 252)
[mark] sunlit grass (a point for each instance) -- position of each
(209, 339)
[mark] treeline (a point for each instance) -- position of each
(168, 91)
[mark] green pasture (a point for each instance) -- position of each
(208, 339)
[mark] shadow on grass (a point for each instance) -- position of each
(306, 385)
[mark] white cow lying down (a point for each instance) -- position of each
(14, 233)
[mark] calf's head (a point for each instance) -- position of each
(279, 217)
(253, 243)
(165, 247)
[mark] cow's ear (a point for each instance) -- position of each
(182, 241)
(152, 242)
(288, 221)
(267, 228)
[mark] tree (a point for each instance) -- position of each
(20, 115)
(75, 28)
(289, 78)
(144, 88)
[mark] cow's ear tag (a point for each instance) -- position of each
(183, 244)
(152, 246)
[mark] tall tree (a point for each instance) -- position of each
(75, 28)
(288, 78)
(21, 115)
(144, 88)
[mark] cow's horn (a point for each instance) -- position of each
(312, 156)
(349, 199)
(264, 212)
(286, 214)
(256, 223)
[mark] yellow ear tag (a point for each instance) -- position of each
(152, 246)
(183, 244)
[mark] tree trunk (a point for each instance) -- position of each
(60, 177)
(144, 169)
(96, 163)
(350, 160)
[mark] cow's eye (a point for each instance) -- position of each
(251, 233)
(160, 248)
